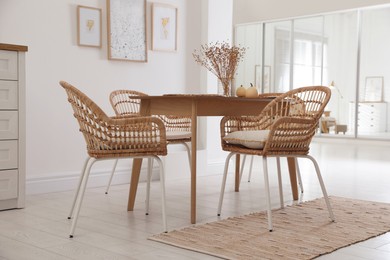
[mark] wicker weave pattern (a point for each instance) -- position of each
(124, 105)
(177, 123)
(115, 137)
(292, 119)
(269, 95)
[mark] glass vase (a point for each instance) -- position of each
(225, 87)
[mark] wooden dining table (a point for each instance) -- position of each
(194, 106)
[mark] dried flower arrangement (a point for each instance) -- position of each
(221, 59)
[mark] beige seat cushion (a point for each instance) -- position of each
(328, 118)
(251, 139)
(176, 135)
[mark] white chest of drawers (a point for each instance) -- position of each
(12, 126)
(372, 117)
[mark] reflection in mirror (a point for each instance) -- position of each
(340, 68)
(277, 56)
(250, 37)
(308, 52)
(347, 51)
(374, 91)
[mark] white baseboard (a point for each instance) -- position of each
(176, 167)
(65, 182)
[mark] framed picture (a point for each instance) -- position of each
(373, 89)
(164, 27)
(89, 26)
(267, 78)
(126, 30)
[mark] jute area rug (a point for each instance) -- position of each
(301, 231)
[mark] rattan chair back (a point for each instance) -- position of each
(123, 105)
(176, 123)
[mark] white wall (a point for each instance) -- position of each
(55, 148)
(219, 28)
(246, 11)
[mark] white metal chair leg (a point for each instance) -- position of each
(250, 169)
(223, 183)
(280, 182)
(188, 153)
(322, 187)
(111, 176)
(267, 193)
(78, 187)
(162, 184)
(299, 175)
(80, 197)
(242, 166)
(149, 176)
(116, 162)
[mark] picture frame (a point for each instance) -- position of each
(373, 89)
(89, 26)
(164, 27)
(267, 78)
(126, 30)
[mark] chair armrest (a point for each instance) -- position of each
(136, 134)
(135, 124)
(290, 134)
(231, 124)
(124, 116)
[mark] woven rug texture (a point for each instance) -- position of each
(302, 231)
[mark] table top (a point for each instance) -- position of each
(200, 96)
(206, 105)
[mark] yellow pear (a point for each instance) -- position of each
(240, 92)
(251, 92)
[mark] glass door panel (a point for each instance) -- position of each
(249, 37)
(339, 72)
(374, 88)
(308, 46)
(277, 57)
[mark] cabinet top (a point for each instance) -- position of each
(12, 47)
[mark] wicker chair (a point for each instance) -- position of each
(178, 128)
(113, 138)
(287, 125)
(269, 95)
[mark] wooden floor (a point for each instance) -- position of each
(107, 231)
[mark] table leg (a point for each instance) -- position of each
(137, 163)
(293, 177)
(193, 162)
(237, 178)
